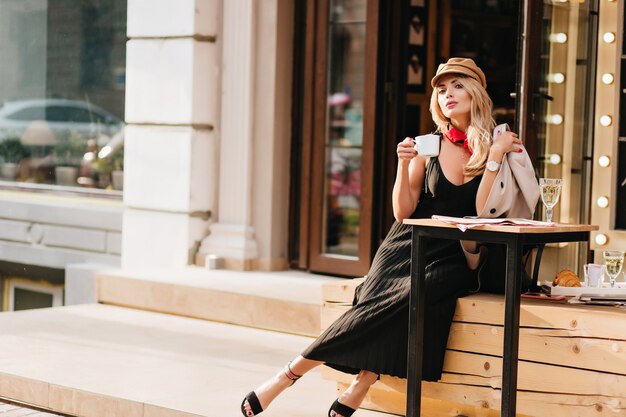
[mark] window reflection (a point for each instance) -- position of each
(62, 83)
(344, 133)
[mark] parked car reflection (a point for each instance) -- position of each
(61, 115)
(66, 142)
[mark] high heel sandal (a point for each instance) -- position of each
(253, 400)
(342, 410)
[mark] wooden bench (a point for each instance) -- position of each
(572, 360)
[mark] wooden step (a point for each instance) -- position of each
(288, 301)
(572, 360)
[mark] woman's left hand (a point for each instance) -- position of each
(506, 142)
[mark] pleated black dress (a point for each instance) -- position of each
(373, 334)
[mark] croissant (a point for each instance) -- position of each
(566, 278)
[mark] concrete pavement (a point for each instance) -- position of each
(97, 360)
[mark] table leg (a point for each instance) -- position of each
(416, 327)
(511, 326)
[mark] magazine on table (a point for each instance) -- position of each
(468, 222)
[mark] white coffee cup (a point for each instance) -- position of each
(594, 275)
(427, 145)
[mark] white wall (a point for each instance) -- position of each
(172, 112)
(253, 201)
(53, 231)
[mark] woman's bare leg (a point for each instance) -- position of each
(270, 389)
(355, 394)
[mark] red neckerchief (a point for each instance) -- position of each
(455, 136)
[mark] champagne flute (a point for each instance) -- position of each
(613, 260)
(550, 192)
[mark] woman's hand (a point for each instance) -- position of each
(409, 180)
(405, 150)
(506, 142)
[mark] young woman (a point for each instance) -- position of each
(371, 338)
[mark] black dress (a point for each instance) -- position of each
(372, 335)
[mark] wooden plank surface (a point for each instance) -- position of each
(534, 404)
(573, 361)
(331, 312)
(580, 320)
(552, 346)
(447, 400)
(341, 292)
(481, 370)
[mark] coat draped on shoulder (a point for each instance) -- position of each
(515, 191)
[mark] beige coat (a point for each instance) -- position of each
(515, 191)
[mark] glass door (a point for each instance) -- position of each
(342, 137)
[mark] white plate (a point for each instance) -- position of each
(619, 289)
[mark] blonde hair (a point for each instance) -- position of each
(481, 123)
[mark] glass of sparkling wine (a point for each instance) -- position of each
(613, 260)
(550, 192)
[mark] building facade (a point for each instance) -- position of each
(261, 134)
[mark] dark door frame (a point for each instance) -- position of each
(308, 154)
(527, 85)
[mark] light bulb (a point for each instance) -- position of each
(607, 78)
(555, 119)
(606, 120)
(609, 37)
(558, 37)
(555, 159)
(603, 202)
(602, 239)
(604, 161)
(557, 78)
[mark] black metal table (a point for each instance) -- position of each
(515, 238)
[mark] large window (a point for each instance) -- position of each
(62, 83)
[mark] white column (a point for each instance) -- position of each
(232, 236)
(172, 110)
(272, 132)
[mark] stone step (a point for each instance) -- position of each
(98, 360)
(10, 409)
(286, 301)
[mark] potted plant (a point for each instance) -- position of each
(68, 154)
(117, 174)
(111, 169)
(12, 152)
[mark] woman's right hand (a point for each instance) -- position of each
(406, 150)
(409, 180)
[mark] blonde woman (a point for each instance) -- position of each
(371, 338)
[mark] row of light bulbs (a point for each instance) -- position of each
(605, 120)
(565, 1)
(579, 1)
(560, 37)
(604, 161)
(559, 78)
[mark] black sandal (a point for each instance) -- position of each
(253, 400)
(340, 409)
(255, 405)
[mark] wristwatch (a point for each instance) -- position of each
(493, 166)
